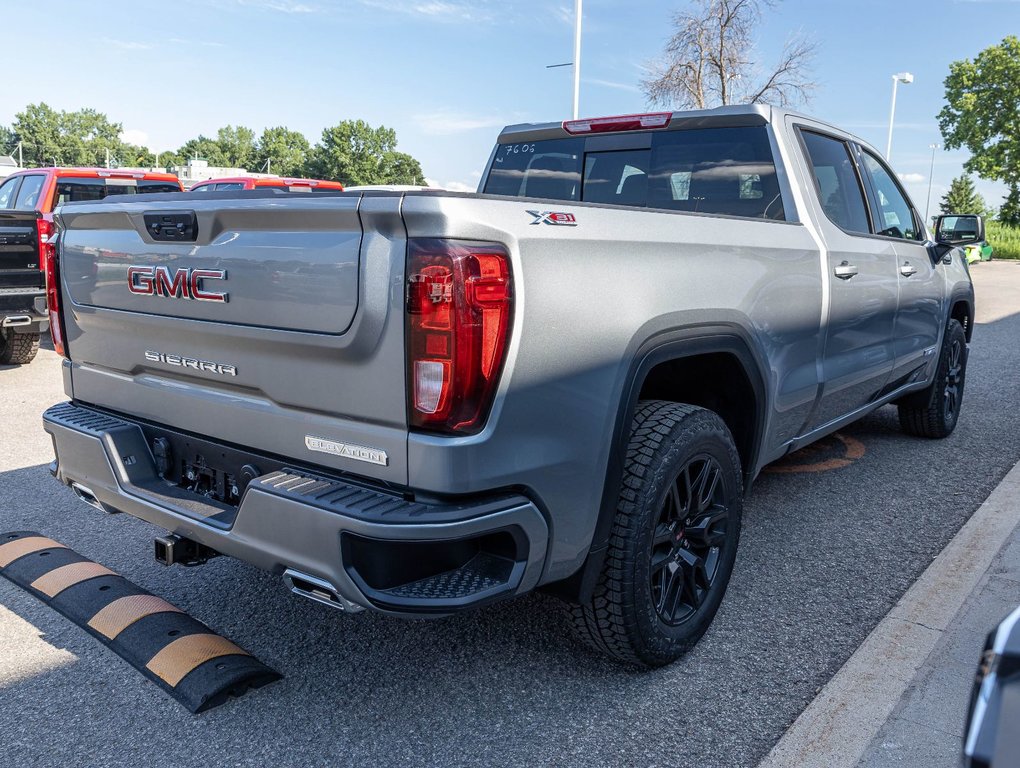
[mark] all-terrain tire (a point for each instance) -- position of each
(627, 617)
(935, 411)
(18, 348)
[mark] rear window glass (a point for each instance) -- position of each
(230, 185)
(727, 171)
(79, 190)
(28, 195)
(7, 191)
(155, 187)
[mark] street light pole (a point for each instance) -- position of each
(577, 55)
(900, 77)
(931, 171)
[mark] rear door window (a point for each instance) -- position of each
(7, 190)
(725, 171)
(836, 182)
(28, 195)
(229, 186)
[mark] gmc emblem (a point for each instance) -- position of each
(175, 284)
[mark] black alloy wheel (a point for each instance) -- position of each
(688, 540)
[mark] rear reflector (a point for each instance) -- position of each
(619, 123)
(459, 311)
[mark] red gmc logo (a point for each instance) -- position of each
(175, 284)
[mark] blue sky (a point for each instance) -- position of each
(447, 74)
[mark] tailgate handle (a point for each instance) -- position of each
(172, 226)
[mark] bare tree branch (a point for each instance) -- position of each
(709, 60)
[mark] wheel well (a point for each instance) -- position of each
(961, 312)
(716, 381)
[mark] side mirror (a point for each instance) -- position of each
(959, 229)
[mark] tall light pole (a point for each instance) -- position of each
(931, 171)
(577, 54)
(900, 77)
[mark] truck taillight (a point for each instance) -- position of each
(459, 312)
(48, 262)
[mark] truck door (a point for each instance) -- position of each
(921, 285)
(857, 356)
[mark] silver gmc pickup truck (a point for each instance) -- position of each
(423, 402)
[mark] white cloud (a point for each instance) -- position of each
(135, 136)
(437, 10)
(452, 186)
(912, 178)
(283, 6)
(127, 45)
(445, 123)
(612, 84)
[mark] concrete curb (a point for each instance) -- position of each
(837, 727)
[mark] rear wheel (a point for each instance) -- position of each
(935, 411)
(18, 348)
(674, 538)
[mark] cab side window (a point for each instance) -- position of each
(28, 195)
(894, 216)
(7, 191)
(836, 181)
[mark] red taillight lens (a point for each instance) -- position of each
(48, 261)
(459, 310)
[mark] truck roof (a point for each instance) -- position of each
(730, 115)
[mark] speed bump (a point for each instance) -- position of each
(178, 653)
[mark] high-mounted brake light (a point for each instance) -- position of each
(459, 312)
(619, 123)
(48, 262)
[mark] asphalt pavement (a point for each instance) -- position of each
(826, 551)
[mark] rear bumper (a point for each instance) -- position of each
(377, 549)
(22, 310)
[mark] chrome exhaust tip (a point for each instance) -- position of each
(318, 590)
(14, 321)
(86, 495)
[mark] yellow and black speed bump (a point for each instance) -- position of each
(180, 654)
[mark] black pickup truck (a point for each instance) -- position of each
(24, 244)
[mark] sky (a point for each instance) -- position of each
(448, 74)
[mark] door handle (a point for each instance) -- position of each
(907, 270)
(845, 271)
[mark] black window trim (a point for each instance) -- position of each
(848, 147)
(872, 196)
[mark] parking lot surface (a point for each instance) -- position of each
(832, 538)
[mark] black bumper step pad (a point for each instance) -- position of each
(178, 653)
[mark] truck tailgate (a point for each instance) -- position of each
(19, 253)
(273, 327)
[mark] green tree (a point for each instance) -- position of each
(8, 140)
(287, 152)
(203, 148)
(355, 153)
(84, 137)
(237, 145)
(962, 197)
(982, 113)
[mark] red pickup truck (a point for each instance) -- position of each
(24, 240)
(235, 183)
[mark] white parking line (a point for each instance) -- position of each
(837, 727)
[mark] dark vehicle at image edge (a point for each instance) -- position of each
(424, 402)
